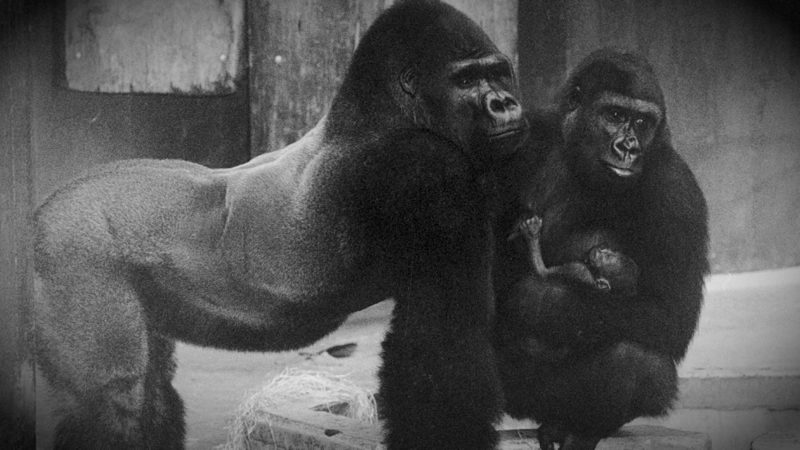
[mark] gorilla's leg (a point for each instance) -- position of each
(596, 394)
(93, 347)
(549, 434)
(163, 414)
(438, 381)
(580, 399)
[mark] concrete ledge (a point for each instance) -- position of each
(300, 427)
(748, 327)
(632, 437)
(777, 441)
(746, 392)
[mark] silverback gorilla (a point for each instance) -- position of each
(600, 171)
(386, 197)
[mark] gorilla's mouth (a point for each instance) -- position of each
(622, 172)
(503, 134)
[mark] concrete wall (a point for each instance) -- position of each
(730, 71)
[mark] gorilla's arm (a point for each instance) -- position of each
(672, 257)
(437, 358)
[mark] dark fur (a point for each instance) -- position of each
(584, 363)
(389, 196)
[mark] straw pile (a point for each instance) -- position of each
(307, 386)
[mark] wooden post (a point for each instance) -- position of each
(17, 395)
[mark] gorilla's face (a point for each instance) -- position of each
(481, 113)
(610, 137)
(428, 66)
(464, 89)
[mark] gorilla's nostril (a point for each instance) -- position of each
(496, 105)
(632, 145)
(618, 147)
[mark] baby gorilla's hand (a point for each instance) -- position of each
(530, 228)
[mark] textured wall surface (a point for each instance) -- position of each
(730, 71)
(153, 45)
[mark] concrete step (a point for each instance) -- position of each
(777, 441)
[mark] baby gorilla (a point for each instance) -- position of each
(602, 269)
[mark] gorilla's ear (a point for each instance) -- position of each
(574, 98)
(408, 80)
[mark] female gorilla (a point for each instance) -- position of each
(600, 171)
(386, 197)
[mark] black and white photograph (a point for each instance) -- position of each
(400, 224)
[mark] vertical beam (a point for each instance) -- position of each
(299, 52)
(16, 374)
(542, 50)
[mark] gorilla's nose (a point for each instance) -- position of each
(627, 147)
(501, 107)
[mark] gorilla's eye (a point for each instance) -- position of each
(641, 123)
(466, 77)
(501, 72)
(616, 115)
(464, 81)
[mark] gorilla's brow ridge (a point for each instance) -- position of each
(629, 103)
(474, 52)
(486, 65)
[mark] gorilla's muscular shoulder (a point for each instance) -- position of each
(274, 237)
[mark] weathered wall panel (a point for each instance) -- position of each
(188, 46)
(730, 71)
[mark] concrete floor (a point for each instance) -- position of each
(740, 379)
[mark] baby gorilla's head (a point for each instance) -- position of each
(611, 270)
